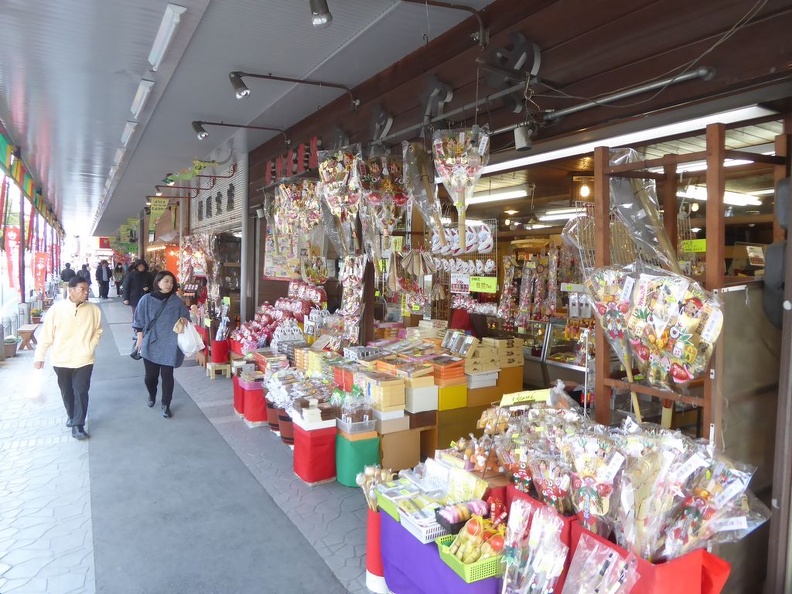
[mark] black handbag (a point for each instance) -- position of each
(135, 354)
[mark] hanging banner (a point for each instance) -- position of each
(5, 154)
(158, 206)
(12, 237)
(40, 266)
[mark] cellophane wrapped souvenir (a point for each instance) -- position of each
(598, 568)
(418, 178)
(459, 157)
(340, 190)
(524, 306)
(507, 305)
(673, 327)
(610, 289)
(351, 309)
(534, 555)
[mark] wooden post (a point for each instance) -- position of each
(601, 258)
(669, 190)
(716, 248)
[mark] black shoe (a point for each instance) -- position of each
(151, 401)
(166, 412)
(70, 422)
(79, 433)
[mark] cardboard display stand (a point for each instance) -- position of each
(314, 454)
(353, 456)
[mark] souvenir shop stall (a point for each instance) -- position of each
(474, 484)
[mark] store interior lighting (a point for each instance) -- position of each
(320, 14)
(631, 139)
(486, 198)
(141, 97)
(167, 28)
(731, 198)
(240, 88)
(201, 133)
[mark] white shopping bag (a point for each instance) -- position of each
(189, 340)
(34, 387)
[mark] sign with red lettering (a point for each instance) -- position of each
(12, 237)
(40, 266)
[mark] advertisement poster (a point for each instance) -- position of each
(280, 266)
(40, 266)
(12, 255)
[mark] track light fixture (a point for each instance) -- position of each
(242, 90)
(200, 131)
(320, 14)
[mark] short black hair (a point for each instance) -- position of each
(77, 280)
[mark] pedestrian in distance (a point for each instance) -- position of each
(118, 278)
(85, 273)
(155, 316)
(103, 277)
(72, 329)
(138, 282)
(66, 275)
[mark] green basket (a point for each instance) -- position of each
(388, 506)
(472, 572)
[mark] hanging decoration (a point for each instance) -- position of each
(419, 183)
(338, 172)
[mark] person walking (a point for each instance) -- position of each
(72, 328)
(118, 278)
(66, 275)
(85, 273)
(155, 316)
(137, 284)
(103, 276)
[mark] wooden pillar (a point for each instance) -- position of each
(782, 147)
(669, 191)
(601, 258)
(716, 251)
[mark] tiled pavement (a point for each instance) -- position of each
(46, 542)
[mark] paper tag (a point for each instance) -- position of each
(482, 148)
(729, 493)
(609, 472)
(713, 324)
(689, 466)
(724, 524)
(563, 484)
(626, 292)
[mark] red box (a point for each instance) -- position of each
(235, 346)
(314, 454)
(204, 337)
(343, 378)
(239, 397)
(698, 572)
(219, 351)
(254, 406)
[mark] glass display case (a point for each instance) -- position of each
(561, 350)
(534, 340)
(228, 252)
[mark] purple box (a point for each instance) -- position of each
(414, 568)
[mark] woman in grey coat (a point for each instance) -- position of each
(155, 316)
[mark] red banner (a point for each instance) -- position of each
(104, 243)
(40, 266)
(12, 237)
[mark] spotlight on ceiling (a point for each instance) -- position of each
(240, 88)
(320, 14)
(200, 131)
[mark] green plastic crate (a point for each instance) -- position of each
(473, 572)
(388, 506)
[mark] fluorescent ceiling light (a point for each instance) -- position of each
(119, 154)
(730, 198)
(164, 37)
(496, 197)
(693, 166)
(129, 130)
(766, 192)
(511, 211)
(141, 96)
(538, 226)
(471, 222)
(639, 137)
(558, 211)
(561, 216)
(695, 229)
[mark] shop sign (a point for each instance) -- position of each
(293, 162)
(525, 397)
(483, 284)
(12, 255)
(158, 206)
(460, 283)
(694, 246)
(40, 266)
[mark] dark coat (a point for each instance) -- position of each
(135, 285)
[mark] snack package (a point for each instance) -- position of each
(596, 568)
(610, 290)
(340, 189)
(672, 327)
(418, 180)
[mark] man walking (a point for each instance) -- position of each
(72, 327)
(66, 275)
(103, 276)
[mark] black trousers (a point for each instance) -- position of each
(153, 372)
(104, 289)
(74, 384)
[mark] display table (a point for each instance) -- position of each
(414, 568)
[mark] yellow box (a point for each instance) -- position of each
(450, 397)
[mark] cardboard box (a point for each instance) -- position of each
(422, 419)
(421, 399)
(400, 450)
(484, 396)
(510, 379)
(362, 436)
(388, 415)
(385, 426)
(453, 424)
(451, 397)
(426, 381)
(455, 381)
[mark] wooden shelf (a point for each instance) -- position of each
(654, 392)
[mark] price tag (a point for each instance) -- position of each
(525, 396)
(691, 246)
(483, 284)
(572, 288)
(460, 283)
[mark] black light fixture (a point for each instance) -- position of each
(320, 14)
(200, 131)
(242, 90)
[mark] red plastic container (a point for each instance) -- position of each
(255, 405)
(314, 454)
(219, 351)
(698, 572)
(239, 397)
